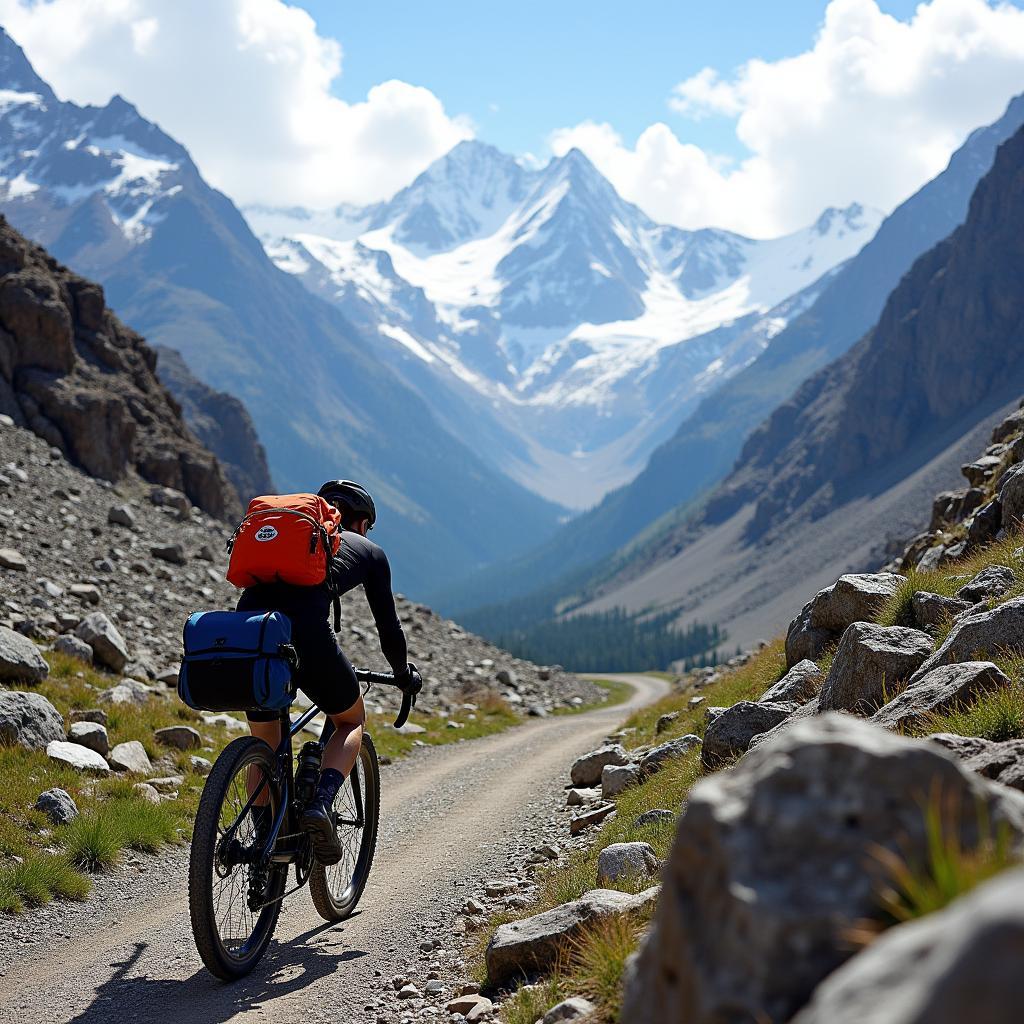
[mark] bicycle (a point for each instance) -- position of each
(238, 865)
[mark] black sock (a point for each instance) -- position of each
(331, 780)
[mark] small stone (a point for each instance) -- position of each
(654, 817)
(12, 560)
(200, 765)
(91, 735)
(168, 783)
(121, 515)
(615, 779)
(584, 820)
(569, 1009)
(88, 715)
(58, 805)
(408, 992)
(88, 593)
(621, 861)
(173, 553)
(76, 756)
(130, 757)
(147, 792)
(108, 646)
(71, 645)
(181, 737)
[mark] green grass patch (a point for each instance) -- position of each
(899, 610)
(616, 692)
(997, 716)
(39, 878)
(597, 961)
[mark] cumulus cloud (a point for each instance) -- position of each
(869, 113)
(245, 85)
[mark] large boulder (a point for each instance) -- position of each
(799, 685)
(20, 660)
(805, 642)
(586, 770)
(28, 720)
(992, 581)
(731, 732)
(536, 943)
(870, 664)
(656, 758)
(108, 646)
(856, 597)
(938, 692)
(960, 964)
(620, 862)
(981, 634)
(767, 874)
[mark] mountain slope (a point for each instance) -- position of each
(115, 197)
(845, 464)
(568, 332)
(72, 373)
(707, 443)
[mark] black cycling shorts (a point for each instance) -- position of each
(325, 675)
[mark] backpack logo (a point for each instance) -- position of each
(265, 533)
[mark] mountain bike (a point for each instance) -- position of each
(246, 836)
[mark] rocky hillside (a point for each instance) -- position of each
(221, 422)
(75, 375)
(144, 557)
(836, 821)
(846, 465)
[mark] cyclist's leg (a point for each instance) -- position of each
(343, 747)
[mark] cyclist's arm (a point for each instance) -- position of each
(377, 584)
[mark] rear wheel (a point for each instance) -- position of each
(336, 888)
(234, 895)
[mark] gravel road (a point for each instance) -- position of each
(451, 818)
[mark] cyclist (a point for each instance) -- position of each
(325, 674)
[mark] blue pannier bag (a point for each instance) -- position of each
(237, 661)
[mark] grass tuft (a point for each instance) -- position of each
(598, 958)
(996, 716)
(38, 879)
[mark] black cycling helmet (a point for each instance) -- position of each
(353, 496)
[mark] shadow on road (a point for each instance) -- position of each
(202, 999)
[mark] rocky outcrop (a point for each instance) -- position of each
(939, 691)
(221, 422)
(72, 373)
(961, 964)
(731, 732)
(767, 874)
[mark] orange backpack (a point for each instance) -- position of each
(284, 538)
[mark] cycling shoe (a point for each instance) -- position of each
(318, 823)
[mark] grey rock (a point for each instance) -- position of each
(616, 778)
(12, 560)
(962, 747)
(799, 685)
(181, 737)
(411, 729)
(129, 691)
(730, 734)
(621, 861)
(121, 515)
(994, 761)
(88, 715)
(536, 943)
(586, 770)
(88, 593)
(568, 1009)
(74, 755)
(855, 597)
(147, 792)
(505, 677)
(871, 662)
(130, 757)
(71, 645)
(654, 817)
(980, 471)
(993, 581)
(664, 721)
(767, 870)
(58, 805)
(167, 784)
(28, 720)
(91, 735)
(200, 765)
(20, 660)
(593, 816)
(957, 965)
(656, 759)
(981, 634)
(173, 553)
(938, 692)
(1011, 497)
(805, 642)
(108, 646)
(935, 609)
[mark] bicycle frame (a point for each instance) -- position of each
(285, 772)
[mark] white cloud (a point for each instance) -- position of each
(245, 85)
(870, 112)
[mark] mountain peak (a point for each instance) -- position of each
(16, 73)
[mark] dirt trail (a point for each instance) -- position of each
(450, 818)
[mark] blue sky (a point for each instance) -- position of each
(545, 65)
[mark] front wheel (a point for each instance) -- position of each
(336, 888)
(234, 895)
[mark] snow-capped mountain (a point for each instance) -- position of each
(544, 300)
(115, 198)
